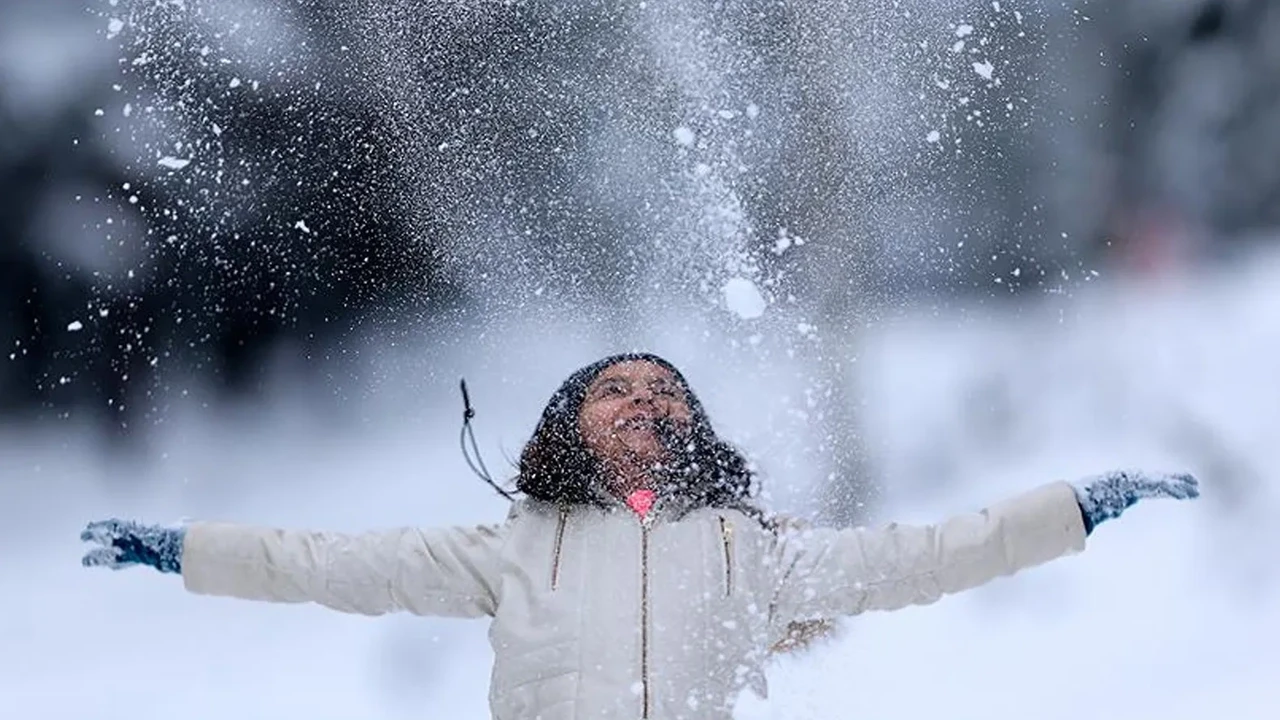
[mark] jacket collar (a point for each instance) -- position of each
(666, 507)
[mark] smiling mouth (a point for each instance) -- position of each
(663, 428)
(636, 423)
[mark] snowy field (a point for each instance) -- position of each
(1172, 613)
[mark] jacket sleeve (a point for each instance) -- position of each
(445, 572)
(824, 573)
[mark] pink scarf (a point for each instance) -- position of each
(641, 501)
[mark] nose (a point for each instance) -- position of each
(644, 395)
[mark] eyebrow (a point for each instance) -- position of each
(605, 382)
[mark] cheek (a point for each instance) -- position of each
(680, 411)
(595, 424)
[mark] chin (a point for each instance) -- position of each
(650, 456)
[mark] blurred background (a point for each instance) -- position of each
(914, 255)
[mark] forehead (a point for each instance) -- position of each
(641, 371)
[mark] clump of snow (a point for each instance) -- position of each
(684, 136)
(75, 326)
(743, 298)
(785, 242)
(984, 69)
(173, 163)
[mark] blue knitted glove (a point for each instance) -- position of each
(1103, 497)
(126, 543)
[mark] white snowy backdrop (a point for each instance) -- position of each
(915, 256)
(1173, 612)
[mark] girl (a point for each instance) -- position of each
(636, 578)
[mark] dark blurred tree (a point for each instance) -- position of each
(1176, 127)
(276, 219)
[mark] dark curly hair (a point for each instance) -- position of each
(556, 466)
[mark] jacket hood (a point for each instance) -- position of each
(556, 466)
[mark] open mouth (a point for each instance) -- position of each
(663, 429)
(637, 422)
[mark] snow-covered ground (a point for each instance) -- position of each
(1173, 612)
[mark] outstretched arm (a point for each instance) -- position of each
(827, 572)
(444, 571)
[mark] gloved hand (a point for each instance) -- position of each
(1103, 497)
(126, 543)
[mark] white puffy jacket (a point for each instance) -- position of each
(599, 615)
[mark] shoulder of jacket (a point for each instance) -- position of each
(527, 507)
(787, 524)
(790, 534)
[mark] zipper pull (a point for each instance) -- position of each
(559, 548)
(726, 536)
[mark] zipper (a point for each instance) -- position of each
(726, 537)
(644, 617)
(555, 557)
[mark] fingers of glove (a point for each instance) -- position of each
(1186, 484)
(1179, 486)
(104, 532)
(109, 557)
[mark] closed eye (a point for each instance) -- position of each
(611, 387)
